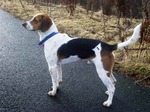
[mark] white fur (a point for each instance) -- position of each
(29, 26)
(135, 36)
(50, 50)
(102, 73)
(69, 60)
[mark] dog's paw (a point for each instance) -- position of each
(51, 93)
(107, 93)
(107, 103)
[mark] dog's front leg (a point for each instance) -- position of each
(59, 73)
(54, 75)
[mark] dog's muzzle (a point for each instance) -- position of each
(27, 26)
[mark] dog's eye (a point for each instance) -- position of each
(36, 20)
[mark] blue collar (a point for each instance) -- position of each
(47, 37)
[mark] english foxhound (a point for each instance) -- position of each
(59, 49)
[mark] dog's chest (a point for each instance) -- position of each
(52, 45)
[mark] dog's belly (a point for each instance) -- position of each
(69, 60)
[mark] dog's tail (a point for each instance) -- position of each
(135, 36)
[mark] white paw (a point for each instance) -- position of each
(107, 93)
(51, 93)
(107, 103)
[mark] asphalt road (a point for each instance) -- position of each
(25, 80)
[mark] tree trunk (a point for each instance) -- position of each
(106, 7)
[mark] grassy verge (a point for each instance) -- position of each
(134, 63)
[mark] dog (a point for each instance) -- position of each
(59, 48)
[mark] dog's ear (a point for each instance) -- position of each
(46, 23)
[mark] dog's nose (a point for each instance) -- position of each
(24, 24)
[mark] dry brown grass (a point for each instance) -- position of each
(93, 25)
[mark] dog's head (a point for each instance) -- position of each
(40, 22)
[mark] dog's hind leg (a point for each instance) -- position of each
(54, 75)
(107, 82)
(102, 73)
(113, 79)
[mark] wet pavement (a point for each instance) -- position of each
(25, 80)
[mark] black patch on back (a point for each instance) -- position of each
(82, 48)
(107, 47)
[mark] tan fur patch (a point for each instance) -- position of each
(108, 61)
(41, 22)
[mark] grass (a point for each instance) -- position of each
(133, 63)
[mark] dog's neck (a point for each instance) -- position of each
(52, 28)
